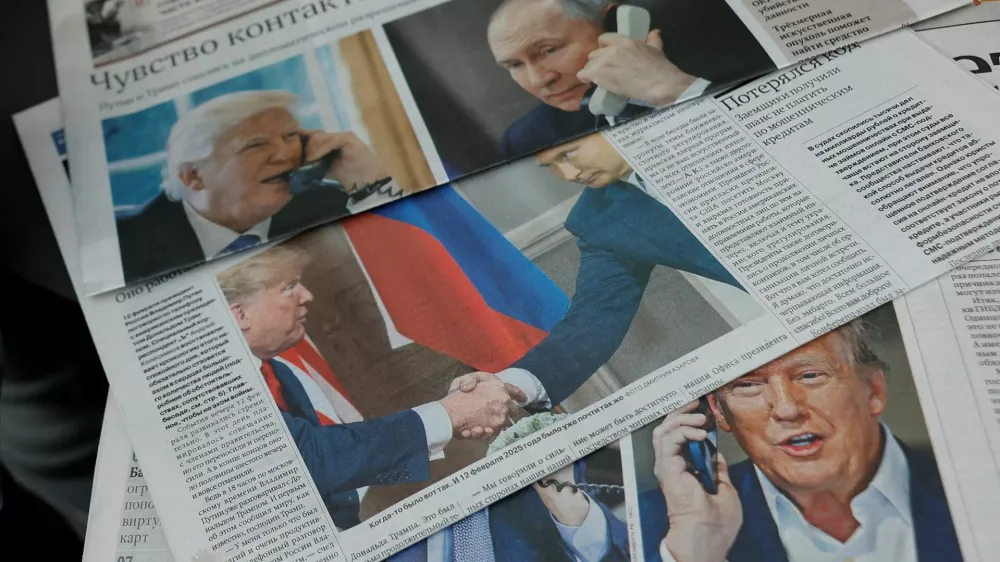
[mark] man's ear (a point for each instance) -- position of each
(189, 176)
(878, 391)
(241, 316)
(719, 413)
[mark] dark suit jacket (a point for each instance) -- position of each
(623, 234)
(158, 238)
(522, 530)
(758, 539)
(341, 458)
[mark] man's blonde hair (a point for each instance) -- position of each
(243, 282)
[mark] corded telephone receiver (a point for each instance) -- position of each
(632, 22)
(312, 175)
(700, 455)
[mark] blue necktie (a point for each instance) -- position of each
(471, 539)
(242, 242)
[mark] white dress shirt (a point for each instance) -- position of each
(883, 509)
(214, 238)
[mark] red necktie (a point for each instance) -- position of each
(274, 386)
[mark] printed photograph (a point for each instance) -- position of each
(576, 514)
(821, 454)
(401, 343)
(118, 29)
(510, 77)
(260, 156)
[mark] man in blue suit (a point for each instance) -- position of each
(268, 303)
(825, 478)
(624, 232)
(537, 524)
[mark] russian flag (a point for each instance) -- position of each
(452, 282)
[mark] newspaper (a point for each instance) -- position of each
(577, 511)
(124, 525)
(198, 129)
(855, 410)
(383, 337)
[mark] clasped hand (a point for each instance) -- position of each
(482, 404)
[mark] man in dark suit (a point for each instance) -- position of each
(268, 304)
(219, 191)
(825, 478)
(623, 232)
(556, 49)
(536, 524)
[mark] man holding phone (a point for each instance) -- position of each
(219, 194)
(825, 478)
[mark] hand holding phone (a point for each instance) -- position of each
(632, 22)
(704, 509)
(700, 455)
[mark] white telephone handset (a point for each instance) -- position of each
(632, 22)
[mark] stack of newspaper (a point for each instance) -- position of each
(696, 281)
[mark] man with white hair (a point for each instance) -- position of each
(223, 186)
(557, 49)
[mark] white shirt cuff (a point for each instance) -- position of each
(529, 384)
(696, 89)
(437, 427)
(590, 540)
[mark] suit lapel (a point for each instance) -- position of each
(933, 528)
(758, 539)
(296, 399)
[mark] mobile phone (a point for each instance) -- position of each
(630, 21)
(700, 455)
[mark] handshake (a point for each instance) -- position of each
(479, 404)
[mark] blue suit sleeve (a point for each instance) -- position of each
(386, 450)
(617, 537)
(609, 287)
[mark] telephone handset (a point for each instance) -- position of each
(630, 21)
(700, 455)
(312, 175)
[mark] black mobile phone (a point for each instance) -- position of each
(700, 455)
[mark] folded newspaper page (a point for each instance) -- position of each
(198, 129)
(834, 451)
(579, 511)
(373, 362)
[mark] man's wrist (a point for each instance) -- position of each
(673, 89)
(437, 428)
(529, 385)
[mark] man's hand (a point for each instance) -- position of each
(355, 167)
(467, 383)
(569, 507)
(479, 412)
(702, 526)
(635, 69)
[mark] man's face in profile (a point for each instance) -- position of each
(274, 320)
(810, 419)
(259, 147)
(590, 161)
(543, 50)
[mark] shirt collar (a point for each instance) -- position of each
(891, 481)
(214, 238)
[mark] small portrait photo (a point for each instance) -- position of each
(821, 454)
(401, 344)
(510, 77)
(260, 156)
